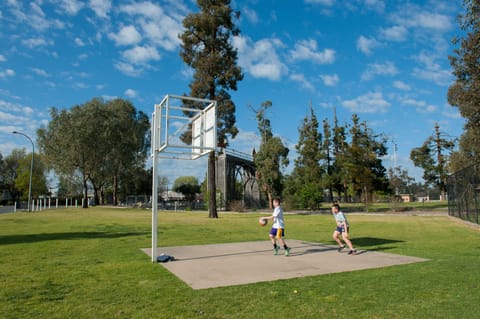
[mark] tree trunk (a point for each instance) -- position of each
(85, 193)
(270, 199)
(365, 191)
(115, 186)
(212, 186)
(345, 192)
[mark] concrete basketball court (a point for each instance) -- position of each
(219, 265)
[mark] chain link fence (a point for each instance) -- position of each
(463, 189)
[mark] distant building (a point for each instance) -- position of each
(406, 198)
(172, 196)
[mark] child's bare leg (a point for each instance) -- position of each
(347, 241)
(272, 238)
(335, 237)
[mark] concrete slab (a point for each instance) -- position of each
(219, 265)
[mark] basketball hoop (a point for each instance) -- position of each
(170, 120)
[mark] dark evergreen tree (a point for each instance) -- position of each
(206, 47)
(271, 157)
(364, 165)
(307, 171)
(433, 158)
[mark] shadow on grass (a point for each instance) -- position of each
(373, 241)
(33, 238)
(366, 242)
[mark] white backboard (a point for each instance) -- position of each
(171, 119)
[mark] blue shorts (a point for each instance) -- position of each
(341, 230)
(277, 232)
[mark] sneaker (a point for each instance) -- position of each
(275, 251)
(287, 251)
(340, 248)
(352, 252)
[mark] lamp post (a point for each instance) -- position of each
(31, 169)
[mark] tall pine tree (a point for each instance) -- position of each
(206, 47)
(308, 171)
(271, 158)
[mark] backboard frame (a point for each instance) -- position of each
(169, 121)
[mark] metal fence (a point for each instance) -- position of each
(464, 194)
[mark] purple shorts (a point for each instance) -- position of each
(277, 232)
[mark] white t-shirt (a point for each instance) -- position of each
(278, 220)
(340, 218)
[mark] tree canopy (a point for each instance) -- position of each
(464, 93)
(101, 141)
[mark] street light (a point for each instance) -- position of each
(31, 169)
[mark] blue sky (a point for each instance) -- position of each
(387, 61)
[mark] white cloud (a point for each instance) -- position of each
(300, 78)
(374, 69)
(432, 71)
(2, 58)
(141, 55)
(15, 108)
(401, 85)
(438, 76)
(9, 117)
(164, 34)
(40, 72)
(330, 80)
(126, 36)
(372, 102)
(250, 14)
(420, 106)
(260, 59)
(36, 42)
(71, 7)
(6, 73)
(32, 16)
(130, 93)
(396, 33)
(365, 45)
(146, 9)
(101, 7)
(246, 141)
(79, 42)
(307, 50)
(375, 5)
(159, 26)
(128, 69)
(412, 16)
(451, 112)
(328, 3)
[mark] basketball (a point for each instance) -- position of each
(262, 221)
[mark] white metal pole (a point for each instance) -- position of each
(155, 119)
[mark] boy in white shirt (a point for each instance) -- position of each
(278, 228)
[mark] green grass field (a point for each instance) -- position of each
(87, 263)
